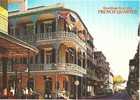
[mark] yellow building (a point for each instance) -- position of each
(3, 16)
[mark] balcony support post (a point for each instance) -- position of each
(86, 60)
(76, 55)
(56, 46)
(45, 56)
(56, 24)
(81, 59)
(4, 74)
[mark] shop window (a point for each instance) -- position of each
(31, 83)
(48, 85)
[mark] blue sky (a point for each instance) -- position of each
(114, 34)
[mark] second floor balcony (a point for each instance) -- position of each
(51, 37)
(60, 68)
(64, 68)
(59, 36)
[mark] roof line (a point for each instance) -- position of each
(59, 7)
(18, 42)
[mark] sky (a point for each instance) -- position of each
(114, 34)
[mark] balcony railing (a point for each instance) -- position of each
(65, 67)
(91, 74)
(51, 36)
(60, 66)
(27, 38)
(60, 36)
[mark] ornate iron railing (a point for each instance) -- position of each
(59, 66)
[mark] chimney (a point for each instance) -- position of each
(24, 5)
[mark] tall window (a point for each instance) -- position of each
(70, 55)
(49, 57)
(48, 26)
(29, 28)
(62, 25)
(12, 30)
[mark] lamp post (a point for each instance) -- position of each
(76, 83)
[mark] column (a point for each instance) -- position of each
(81, 59)
(86, 60)
(56, 24)
(56, 46)
(76, 55)
(45, 56)
(4, 73)
(81, 81)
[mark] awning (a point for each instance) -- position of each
(13, 47)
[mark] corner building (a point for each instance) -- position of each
(65, 46)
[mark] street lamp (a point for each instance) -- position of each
(76, 83)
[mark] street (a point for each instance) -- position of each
(116, 96)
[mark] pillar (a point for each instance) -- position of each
(45, 56)
(81, 87)
(56, 24)
(4, 73)
(76, 56)
(86, 60)
(56, 46)
(82, 58)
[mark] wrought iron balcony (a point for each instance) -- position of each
(62, 68)
(92, 75)
(66, 67)
(66, 36)
(50, 37)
